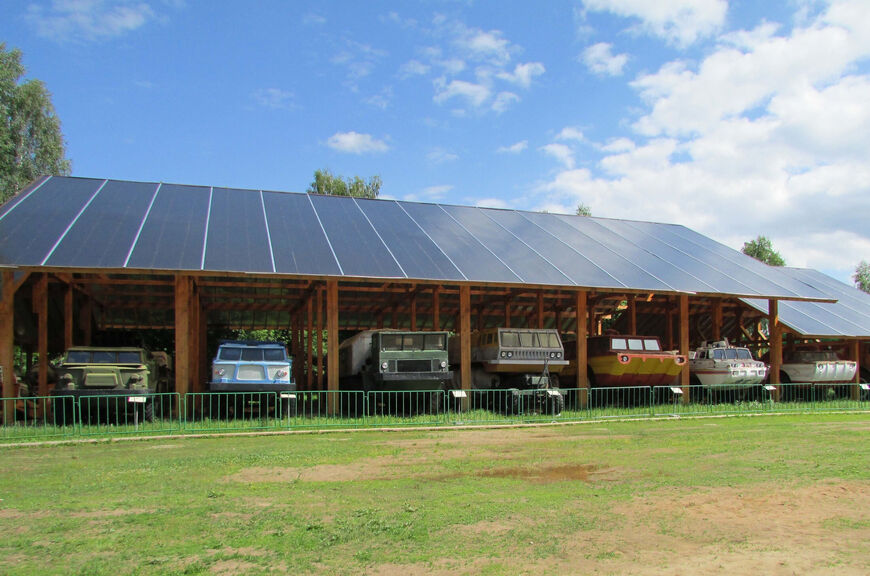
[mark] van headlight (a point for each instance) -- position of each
(384, 365)
(443, 364)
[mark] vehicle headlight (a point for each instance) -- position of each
(443, 364)
(503, 354)
(558, 354)
(510, 354)
(384, 365)
(623, 358)
(280, 374)
(552, 354)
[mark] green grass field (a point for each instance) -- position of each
(764, 494)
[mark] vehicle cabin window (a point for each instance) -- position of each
(438, 341)
(651, 344)
(528, 340)
(252, 355)
(231, 354)
(129, 358)
(618, 344)
(391, 342)
(635, 344)
(510, 339)
(103, 357)
(731, 354)
(550, 340)
(78, 356)
(273, 354)
(743, 354)
(718, 354)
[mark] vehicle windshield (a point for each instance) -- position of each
(251, 354)
(533, 339)
(744, 354)
(103, 357)
(635, 344)
(395, 342)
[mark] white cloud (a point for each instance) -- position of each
(274, 98)
(523, 73)
(440, 155)
(356, 143)
(514, 148)
(88, 20)
(600, 60)
(680, 22)
(491, 203)
(503, 101)
(571, 133)
(479, 45)
(767, 134)
(413, 68)
(560, 152)
(473, 94)
(358, 59)
(429, 194)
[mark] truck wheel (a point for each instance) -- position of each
(555, 405)
(148, 412)
(64, 411)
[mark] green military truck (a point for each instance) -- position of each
(391, 362)
(112, 383)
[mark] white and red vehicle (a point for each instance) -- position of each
(719, 365)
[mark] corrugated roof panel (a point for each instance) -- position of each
(525, 262)
(848, 317)
(174, 232)
(472, 258)
(299, 243)
(639, 255)
(764, 279)
(359, 249)
(22, 194)
(623, 272)
(418, 255)
(575, 265)
(32, 227)
(103, 234)
(232, 245)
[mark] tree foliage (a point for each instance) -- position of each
(862, 276)
(583, 210)
(31, 142)
(325, 182)
(762, 249)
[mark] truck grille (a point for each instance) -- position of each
(413, 365)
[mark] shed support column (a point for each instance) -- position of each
(540, 313)
(68, 324)
(196, 344)
(202, 351)
(7, 343)
(717, 320)
(774, 329)
(582, 382)
(507, 314)
(414, 312)
(182, 334)
(319, 338)
(332, 342)
(855, 347)
(684, 345)
(309, 359)
(40, 307)
(436, 308)
(632, 314)
(465, 339)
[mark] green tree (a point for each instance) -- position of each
(862, 276)
(325, 182)
(31, 143)
(762, 249)
(583, 210)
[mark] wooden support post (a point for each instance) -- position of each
(182, 334)
(717, 320)
(507, 314)
(7, 343)
(68, 324)
(684, 345)
(669, 337)
(414, 312)
(581, 353)
(309, 359)
(855, 347)
(40, 307)
(540, 314)
(774, 329)
(436, 308)
(202, 354)
(632, 314)
(465, 339)
(332, 342)
(394, 322)
(319, 338)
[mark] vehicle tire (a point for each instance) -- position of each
(64, 411)
(555, 405)
(785, 392)
(148, 412)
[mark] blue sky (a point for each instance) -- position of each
(734, 118)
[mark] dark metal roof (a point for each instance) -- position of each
(848, 317)
(68, 222)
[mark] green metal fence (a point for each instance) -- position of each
(63, 417)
